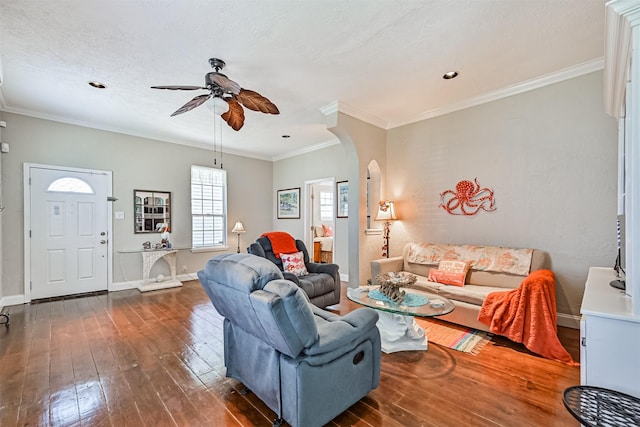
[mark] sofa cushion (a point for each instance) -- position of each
(473, 294)
(539, 260)
(454, 266)
(484, 258)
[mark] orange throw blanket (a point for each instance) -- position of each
(528, 315)
(281, 242)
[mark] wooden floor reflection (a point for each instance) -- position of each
(156, 359)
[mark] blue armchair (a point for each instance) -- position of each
(307, 364)
(322, 284)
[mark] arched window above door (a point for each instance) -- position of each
(70, 185)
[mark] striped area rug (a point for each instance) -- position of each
(454, 336)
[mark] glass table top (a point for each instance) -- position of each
(434, 305)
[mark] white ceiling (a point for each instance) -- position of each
(381, 60)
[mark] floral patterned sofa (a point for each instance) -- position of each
(491, 269)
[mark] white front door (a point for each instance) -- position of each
(69, 232)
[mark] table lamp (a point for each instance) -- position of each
(238, 228)
(386, 213)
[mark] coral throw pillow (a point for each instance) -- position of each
(328, 231)
(447, 277)
(294, 263)
(450, 273)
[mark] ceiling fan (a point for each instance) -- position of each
(220, 86)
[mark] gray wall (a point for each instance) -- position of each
(362, 144)
(329, 162)
(136, 163)
(550, 155)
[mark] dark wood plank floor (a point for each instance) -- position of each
(156, 359)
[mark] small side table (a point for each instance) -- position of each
(599, 407)
(316, 252)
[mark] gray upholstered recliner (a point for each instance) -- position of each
(307, 364)
(322, 284)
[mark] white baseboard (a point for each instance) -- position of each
(187, 276)
(344, 277)
(569, 321)
(115, 287)
(135, 284)
(11, 300)
(123, 286)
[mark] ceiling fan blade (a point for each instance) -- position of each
(195, 102)
(178, 87)
(256, 102)
(225, 83)
(235, 116)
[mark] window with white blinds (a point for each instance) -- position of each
(208, 207)
(326, 206)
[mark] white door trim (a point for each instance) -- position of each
(308, 233)
(27, 221)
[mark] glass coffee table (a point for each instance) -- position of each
(398, 328)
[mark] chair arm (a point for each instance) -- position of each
(362, 318)
(291, 276)
(345, 330)
(330, 269)
(385, 265)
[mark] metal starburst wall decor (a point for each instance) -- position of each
(467, 199)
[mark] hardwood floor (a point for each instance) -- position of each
(156, 359)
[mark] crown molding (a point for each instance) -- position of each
(92, 125)
(306, 150)
(350, 110)
(535, 83)
(528, 85)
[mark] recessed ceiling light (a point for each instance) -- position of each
(450, 75)
(97, 85)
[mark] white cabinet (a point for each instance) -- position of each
(610, 336)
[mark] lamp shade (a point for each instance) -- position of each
(238, 227)
(386, 211)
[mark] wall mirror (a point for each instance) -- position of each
(152, 209)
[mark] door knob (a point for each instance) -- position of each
(103, 241)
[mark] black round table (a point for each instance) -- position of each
(599, 407)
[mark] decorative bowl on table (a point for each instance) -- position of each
(391, 285)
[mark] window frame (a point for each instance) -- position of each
(326, 205)
(221, 217)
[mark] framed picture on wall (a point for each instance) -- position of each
(289, 203)
(342, 193)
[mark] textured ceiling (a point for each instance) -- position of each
(384, 59)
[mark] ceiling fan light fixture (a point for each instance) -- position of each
(222, 89)
(450, 75)
(97, 85)
(217, 105)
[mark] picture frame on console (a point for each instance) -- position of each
(289, 203)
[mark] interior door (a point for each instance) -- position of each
(68, 223)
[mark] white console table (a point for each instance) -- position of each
(609, 336)
(149, 258)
